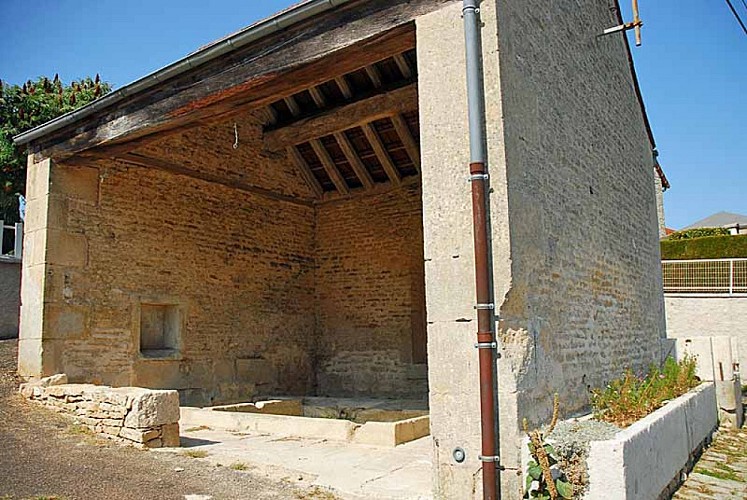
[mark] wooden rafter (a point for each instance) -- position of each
(290, 101)
(382, 155)
(403, 65)
(164, 165)
(344, 117)
(344, 86)
(306, 172)
(374, 75)
(413, 150)
(330, 167)
(355, 162)
(318, 97)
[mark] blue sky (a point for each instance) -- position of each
(692, 68)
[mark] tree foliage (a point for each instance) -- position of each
(25, 107)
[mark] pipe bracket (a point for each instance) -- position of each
(486, 345)
(495, 459)
(478, 177)
(489, 307)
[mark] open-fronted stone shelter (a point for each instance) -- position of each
(287, 212)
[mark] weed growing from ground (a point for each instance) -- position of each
(196, 454)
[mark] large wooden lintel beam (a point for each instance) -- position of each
(159, 164)
(345, 117)
(340, 41)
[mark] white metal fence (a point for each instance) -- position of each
(705, 276)
(15, 249)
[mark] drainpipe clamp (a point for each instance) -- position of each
(489, 307)
(478, 177)
(486, 345)
(495, 459)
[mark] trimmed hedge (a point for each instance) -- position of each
(699, 232)
(710, 247)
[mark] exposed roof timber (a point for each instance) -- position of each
(299, 57)
(318, 97)
(333, 197)
(159, 164)
(382, 155)
(329, 166)
(344, 86)
(306, 173)
(382, 105)
(355, 162)
(411, 146)
(290, 101)
(403, 65)
(374, 75)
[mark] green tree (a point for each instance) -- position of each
(25, 107)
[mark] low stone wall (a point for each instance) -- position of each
(646, 460)
(142, 417)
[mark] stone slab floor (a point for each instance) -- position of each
(721, 472)
(43, 455)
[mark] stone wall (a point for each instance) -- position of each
(703, 316)
(369, 290)
(10, 298)
(238, 267)
(659, 190)
(138, 416)
(585, 296)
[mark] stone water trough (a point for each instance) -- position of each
(371, 422)
(649, 459)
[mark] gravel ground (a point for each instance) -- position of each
(45, 456)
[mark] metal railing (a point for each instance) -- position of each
(705, 276)
(16, 246)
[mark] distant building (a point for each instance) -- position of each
(735, 223)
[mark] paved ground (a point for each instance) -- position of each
(44, 455)
(721, 473)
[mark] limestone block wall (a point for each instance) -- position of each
(10, 298)
(585, 296)
(369, 292)
(659, 190)
(702, 316)
(138, 416)
(237, 267)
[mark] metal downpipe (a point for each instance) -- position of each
(486, 338)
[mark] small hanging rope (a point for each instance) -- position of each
(236, 136)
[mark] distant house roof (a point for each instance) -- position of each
(720, 219)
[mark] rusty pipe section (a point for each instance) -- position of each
(486, 338)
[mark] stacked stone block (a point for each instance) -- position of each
(143, 417)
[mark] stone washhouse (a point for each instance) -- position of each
(287, 212)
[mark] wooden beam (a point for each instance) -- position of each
(381, 153)
(403, 65)
(344, 86)
(318, 97)
(270, 114)
(413, 150)
(166, 166)
(290, 101)
(306, 172)
(350, 115)
(355, 162)
(258, 74)
(330, 167)
(374, 75)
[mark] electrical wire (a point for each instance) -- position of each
(736, 14)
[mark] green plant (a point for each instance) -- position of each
(699, 232)
(710, 247)
(25, 107)
(196, 453)
(540, 483)
(631, 397)
(239, 466)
